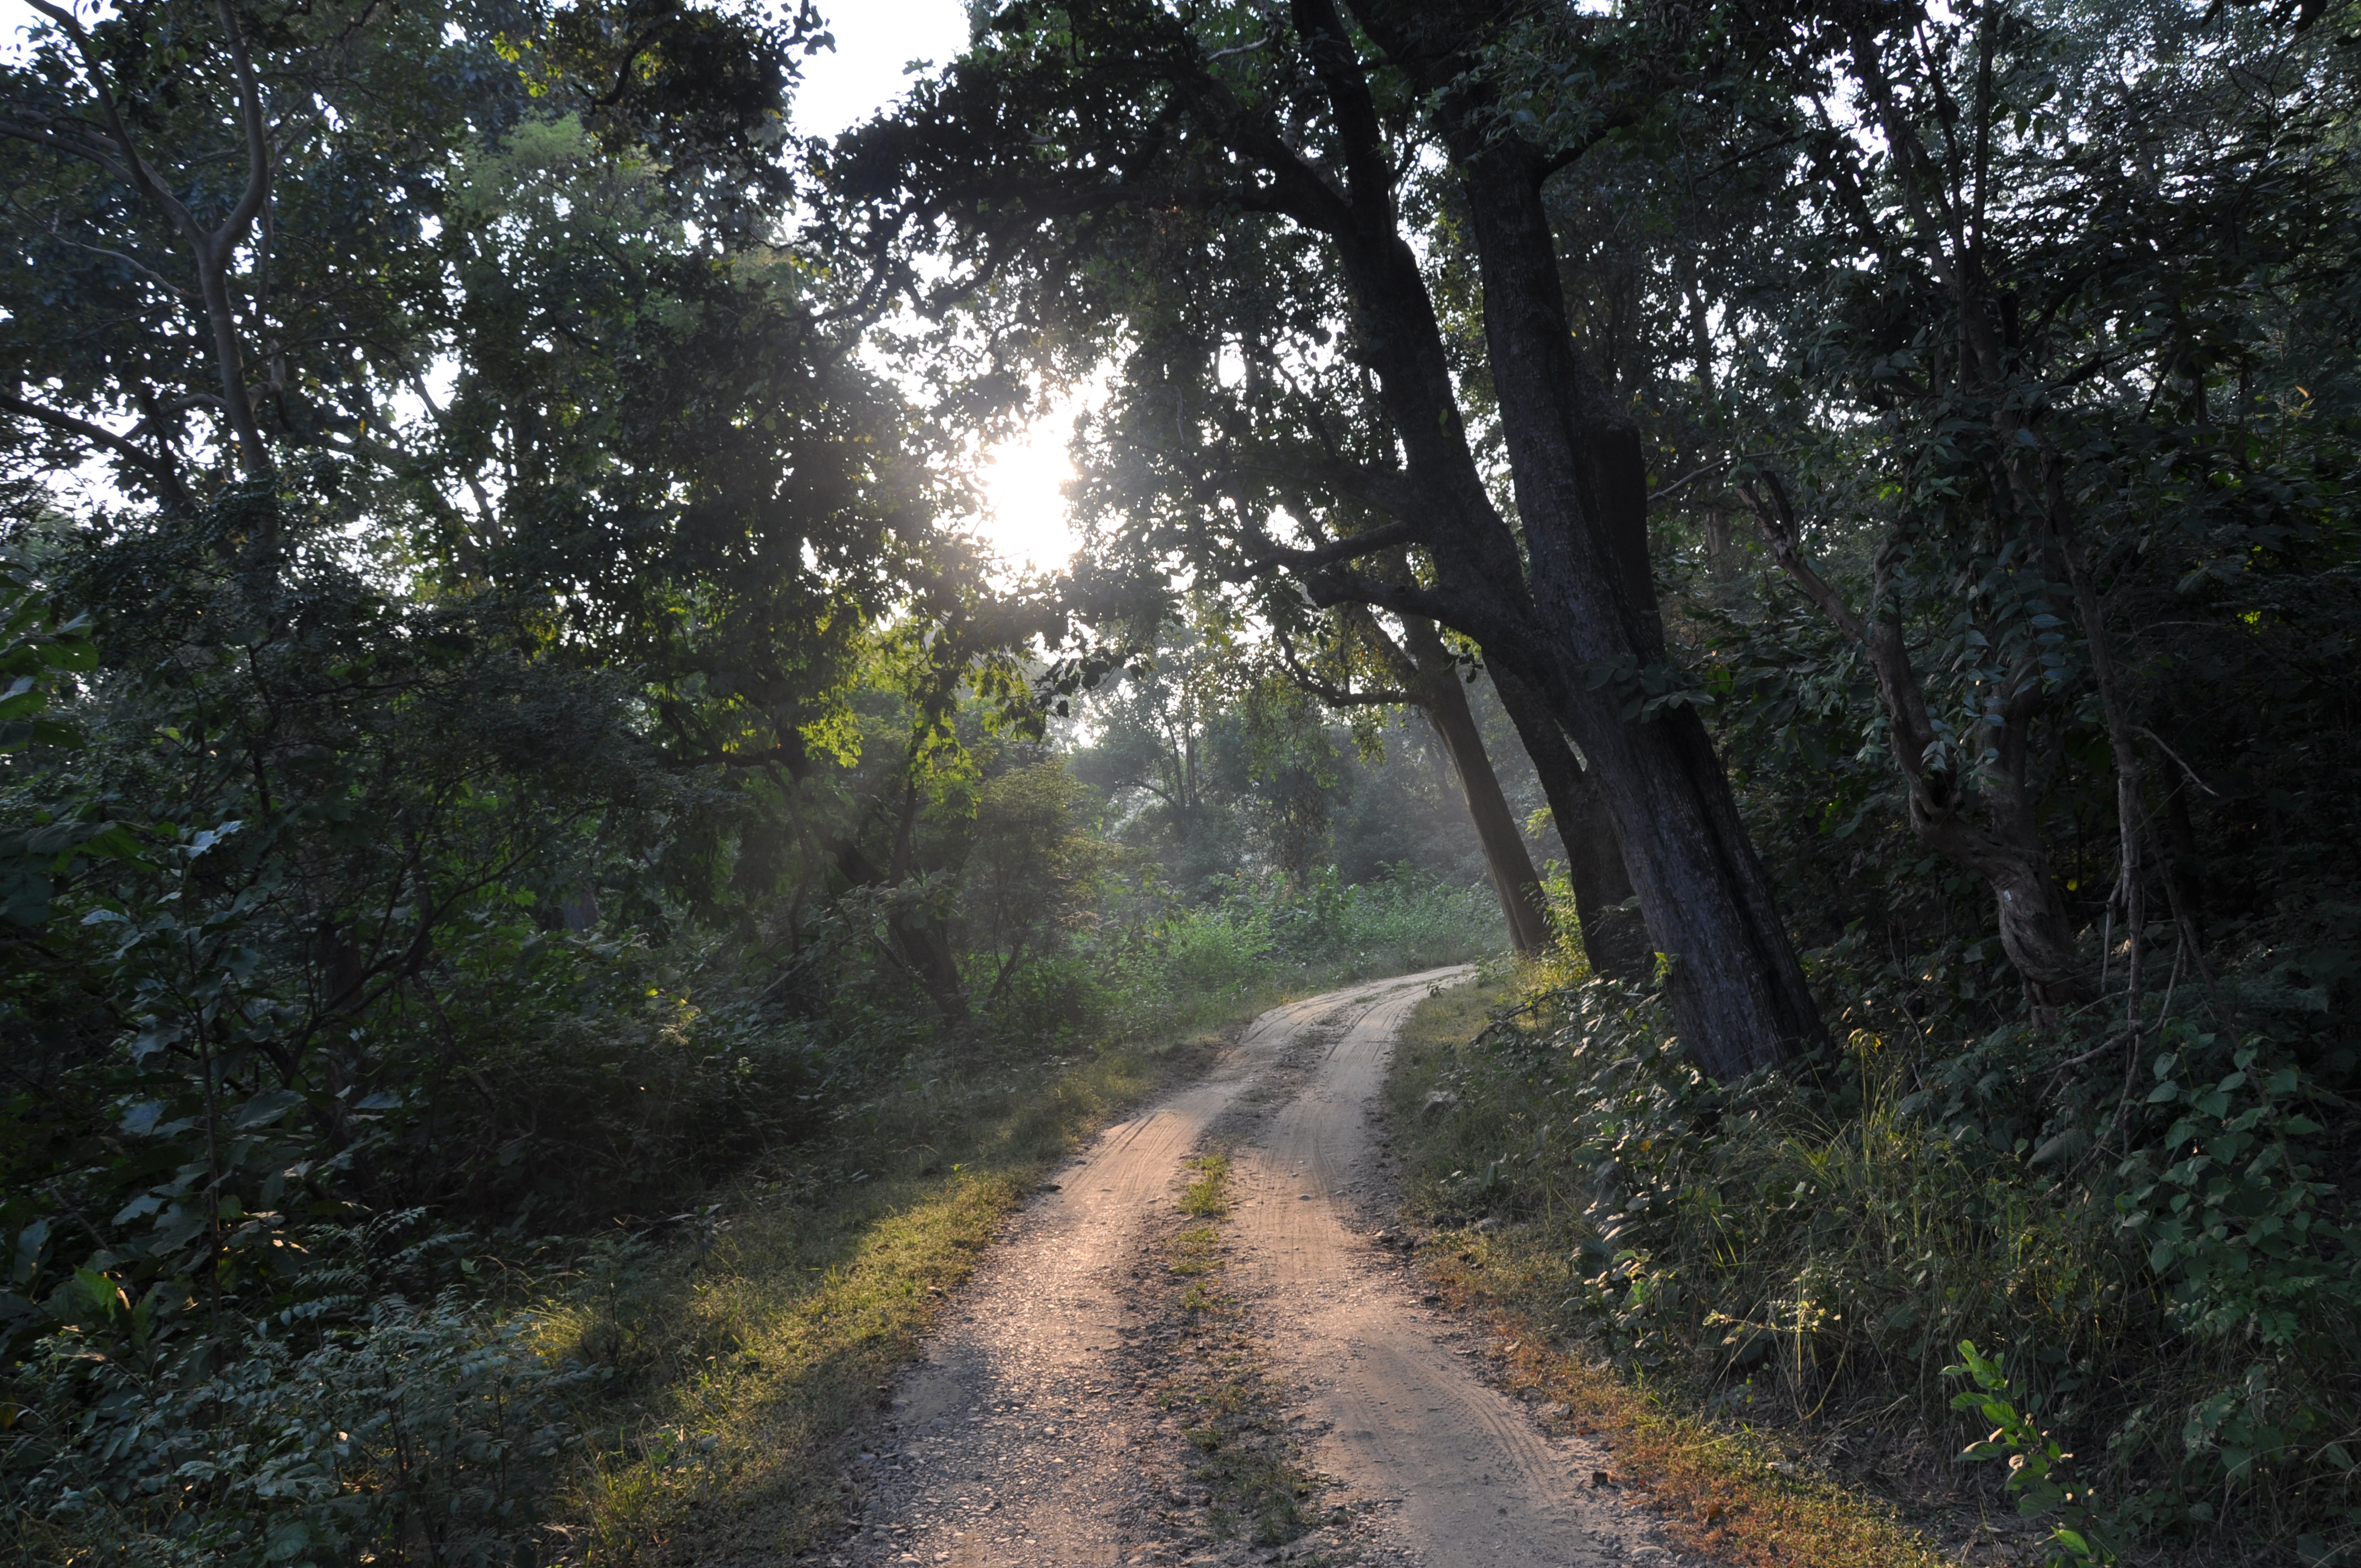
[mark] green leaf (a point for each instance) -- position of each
(265, 1108)
(103, 1294)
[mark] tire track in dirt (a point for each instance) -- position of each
(1029, 1435)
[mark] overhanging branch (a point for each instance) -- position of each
(163, 471)
(1334, 553)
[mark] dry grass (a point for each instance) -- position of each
(1722, 1488)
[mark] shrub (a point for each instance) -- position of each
(424, 1437)
(2160, 1259)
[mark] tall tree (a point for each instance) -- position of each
(1356, 663)
(1116, 163)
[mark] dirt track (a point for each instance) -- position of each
(1030, 1435)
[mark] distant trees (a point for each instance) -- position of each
(1226, 194)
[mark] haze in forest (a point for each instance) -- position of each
(652, 651)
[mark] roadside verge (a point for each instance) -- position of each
(1723, 1488)
(739, 1354)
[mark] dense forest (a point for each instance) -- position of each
(1825, 533)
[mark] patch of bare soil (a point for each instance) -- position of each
(1117, 1385)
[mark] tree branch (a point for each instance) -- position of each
(1368, 542)
(257, 142)
(1666, 492)
(42, 136)
(133, 262)
(1933, 799)
(156, 466)
(1328, 691)
(210, 250)
(133, 169)
(1776, 518)
(1368, 173)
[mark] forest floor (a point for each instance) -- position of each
(1198, 1344)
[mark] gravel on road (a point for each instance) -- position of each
(1035, 1431)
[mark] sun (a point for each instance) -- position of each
(1026, 518)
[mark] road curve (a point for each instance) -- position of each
(1026, 1439)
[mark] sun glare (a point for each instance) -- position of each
(1026, 517)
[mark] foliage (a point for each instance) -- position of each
(2035, 1460)
(422, 1433)
(503, 743)
(1744, 1490)
(526, 753)
(1262, 934)
(1798, 1255)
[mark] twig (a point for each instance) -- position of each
(2201, 784)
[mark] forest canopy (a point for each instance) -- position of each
(1828, 532)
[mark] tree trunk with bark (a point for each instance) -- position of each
(1580, 479)
(1577, 607)
(1444, 700)
(1424, 675)
(1614, 938)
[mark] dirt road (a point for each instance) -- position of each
(1031, 1434)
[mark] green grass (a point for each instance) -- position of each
(1207, 1197)
(735, 1362)
(1726, 1486)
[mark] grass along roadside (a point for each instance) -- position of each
(738, 1357)
(1725, 1488)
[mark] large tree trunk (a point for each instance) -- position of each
(1740, 1000)
(1739, 994)
(1614, 938)
(1579, 600)
(1445, 702)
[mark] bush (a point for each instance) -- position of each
(2159, 1259)
(607, 1080)
(1223, 949)
(1255, 933)
(424, 1437)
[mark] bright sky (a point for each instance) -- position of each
(1026, 516)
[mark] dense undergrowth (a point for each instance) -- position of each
(707, 1228)
(2146, 1230)
(550, 889)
